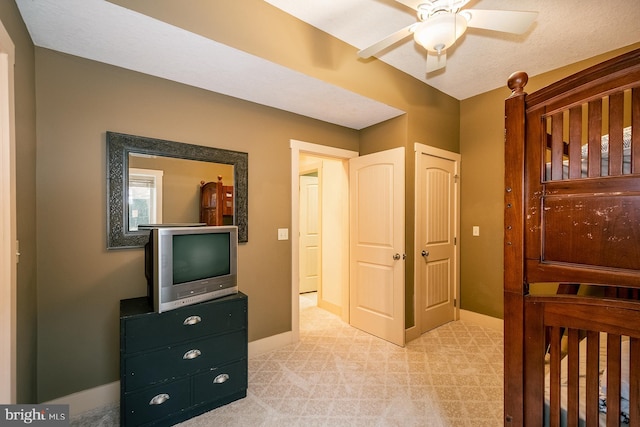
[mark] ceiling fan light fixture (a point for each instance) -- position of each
(440, 31)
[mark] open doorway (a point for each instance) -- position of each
(357, 207)
(330, 253)
(324, 223)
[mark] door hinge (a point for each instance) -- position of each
(455, 178)
(455, 241)
(455, 302)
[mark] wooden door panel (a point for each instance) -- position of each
(310, 261)
(377, 244)
(436, 241)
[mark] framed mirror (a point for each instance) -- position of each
(122, 148)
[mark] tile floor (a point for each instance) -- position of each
(340, 376)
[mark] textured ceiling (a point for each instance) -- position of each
(101, 31)
(565, 32)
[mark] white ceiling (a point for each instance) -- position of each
(104, 32)
(565, 32)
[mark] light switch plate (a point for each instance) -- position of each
(283, 234)
(476, 230)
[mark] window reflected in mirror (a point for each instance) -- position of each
(145, 197)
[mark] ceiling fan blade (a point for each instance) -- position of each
(386, 42)
(436, 61)
(507, 21)
(413, 4)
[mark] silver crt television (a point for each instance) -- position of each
(185, 265)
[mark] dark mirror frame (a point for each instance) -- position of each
(118, 148)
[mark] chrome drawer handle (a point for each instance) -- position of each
(192, 320)
(192, 354)
(159, 399)
(221, 378)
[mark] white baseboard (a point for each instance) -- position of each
(109, 394)
(273, 342)
(482, 320)
(411, 333)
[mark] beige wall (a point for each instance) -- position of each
(432, 117)
(335, 265)
(482, 178)
(80, 282)
(25, 199)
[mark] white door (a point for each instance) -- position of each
(436, 260)
(376, 183)
(309, 233)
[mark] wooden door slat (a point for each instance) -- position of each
(613, 380)
(635, 130)
(554, 377)
(557, 146)
(616, 112)
(573, 374)
(595, 137)
(634, 382)
(533, 367)
(575, 142)
(592, 382)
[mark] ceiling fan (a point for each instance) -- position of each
(442, 22)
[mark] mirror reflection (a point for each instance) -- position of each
(152, 181)
(171, 190)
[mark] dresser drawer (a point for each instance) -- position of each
(176, 356)
(220, 382)
(184, 359)
(156, 402)
(162, 329)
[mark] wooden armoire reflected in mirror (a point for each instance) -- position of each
(216, 203)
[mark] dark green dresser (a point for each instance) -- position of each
(181, 363)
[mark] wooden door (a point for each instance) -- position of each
(309, 234)
(377, 242)
(436, 260)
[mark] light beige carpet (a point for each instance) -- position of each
(340, 376)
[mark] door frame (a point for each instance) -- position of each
(420, 150)
(298, 147)
(8, 234)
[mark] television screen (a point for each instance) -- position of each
(189, 264)
(200, 256)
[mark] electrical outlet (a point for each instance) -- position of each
(283, 234)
